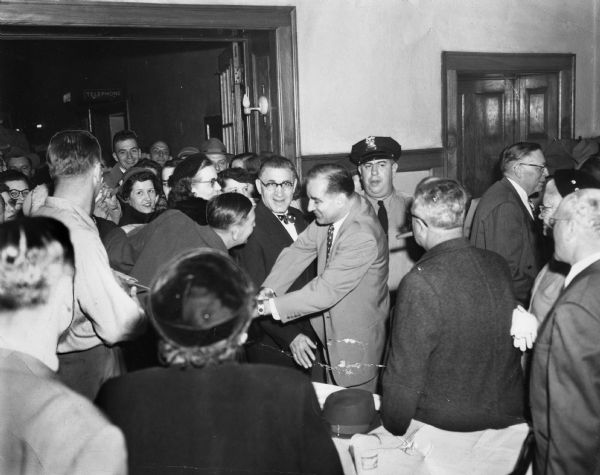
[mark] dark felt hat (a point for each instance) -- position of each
(351, 411)
(200, 298)
(568, 181)
(214, 146)
(373, 148)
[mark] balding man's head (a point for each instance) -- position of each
(576, 226)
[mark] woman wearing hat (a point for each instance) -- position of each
(193, 183)
(550, 280)
(138, 194)
(204, 410)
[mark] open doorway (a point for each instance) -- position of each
(268, 35)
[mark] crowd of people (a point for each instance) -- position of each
(169, 313)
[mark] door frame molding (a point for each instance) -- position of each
(72, 19)
(455, 63)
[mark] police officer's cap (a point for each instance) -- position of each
(373, 148)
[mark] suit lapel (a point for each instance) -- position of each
(269, 222)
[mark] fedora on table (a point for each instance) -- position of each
(351, 411)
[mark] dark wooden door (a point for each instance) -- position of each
(494, 112)
(486, 110)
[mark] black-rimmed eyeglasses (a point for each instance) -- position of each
(272, 185)
(14, 194)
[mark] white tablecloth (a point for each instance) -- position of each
(426, 450)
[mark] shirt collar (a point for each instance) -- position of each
(522, 194)
(61, 203)
(580, 266)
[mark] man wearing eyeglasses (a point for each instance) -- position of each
(126, 152)
(504, 220)
(432, 380)
(564, 396)
(18, 189)
(277, 226)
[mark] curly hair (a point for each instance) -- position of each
(34, 252)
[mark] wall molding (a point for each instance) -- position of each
(410, 161)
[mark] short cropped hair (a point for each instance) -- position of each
(442, 202)
(34, 252)
(121, 136)
(338, 178)
(277, 161)
(227, 209)
(72, 153)
(516, 152)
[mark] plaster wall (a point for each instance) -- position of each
(382, 60)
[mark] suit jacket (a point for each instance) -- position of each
(113, 177)
(503, 224)
(257, 257)
(228, 419)
(152, 246)
(351, 288)
(455, 293)
(565, 377)
(45, 428)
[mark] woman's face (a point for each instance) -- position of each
(204, 183)
(143, 196)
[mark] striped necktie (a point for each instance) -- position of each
(329, 240)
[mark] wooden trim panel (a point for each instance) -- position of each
(149, 15)
(410, 160)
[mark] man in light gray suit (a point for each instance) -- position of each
(351, 286)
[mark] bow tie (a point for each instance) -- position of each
(286, 218)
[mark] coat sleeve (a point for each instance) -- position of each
(348, 265)
(574, 392)
(414, 336)
(292, 261)
(114, 315)
(251, 257)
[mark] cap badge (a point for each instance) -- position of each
(370, 143)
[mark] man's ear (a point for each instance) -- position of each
(394, 167)
(114, 155)
(234, 230)
(257, 186)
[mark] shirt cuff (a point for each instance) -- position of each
(274, 311)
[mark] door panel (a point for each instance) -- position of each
(485, 114)
(538, 108)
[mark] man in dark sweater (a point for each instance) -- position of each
(452, 363)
